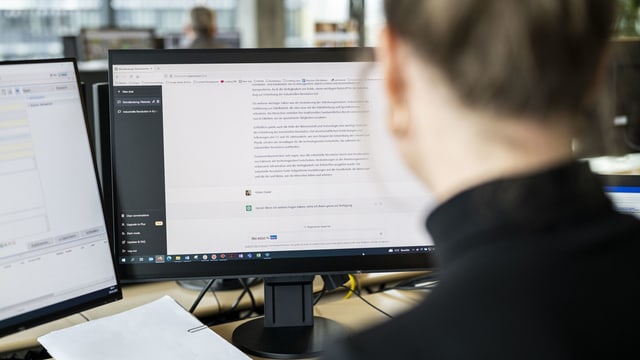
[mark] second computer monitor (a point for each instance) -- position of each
(55, 256)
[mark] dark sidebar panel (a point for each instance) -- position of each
(139, 212)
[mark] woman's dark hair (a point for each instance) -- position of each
(202, 20)
(520, 57)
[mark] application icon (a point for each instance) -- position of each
(205, 257)
(214, 256)
(159, 259)
(248, 208)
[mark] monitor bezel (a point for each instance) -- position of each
(132, 273)
(620, 180)
(86, 301)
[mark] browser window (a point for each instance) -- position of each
(261, 157)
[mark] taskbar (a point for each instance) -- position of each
(268, 255)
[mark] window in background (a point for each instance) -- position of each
(307, 22)
(628, 24)
(330, 23)
(373, 21)
(33, 28)
(169, 17)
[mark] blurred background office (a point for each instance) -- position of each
(86, 29)
(47, 28)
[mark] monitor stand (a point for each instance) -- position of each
(288, 329)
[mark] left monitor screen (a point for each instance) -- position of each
(55, 257)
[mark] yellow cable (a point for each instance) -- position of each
(352, 286)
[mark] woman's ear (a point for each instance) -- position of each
(389, 57)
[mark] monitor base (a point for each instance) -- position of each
(288, 329)
(292, 342)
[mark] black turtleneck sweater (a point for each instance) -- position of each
(534, 267)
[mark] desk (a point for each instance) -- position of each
(353, 313)
(133, 296)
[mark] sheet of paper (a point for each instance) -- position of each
(159, 330)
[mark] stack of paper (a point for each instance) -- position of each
(159, 330)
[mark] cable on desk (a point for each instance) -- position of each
(357, 293)
(319, 295)
(201, 295)
(332, 282)
(215, 296)
(245, 291)
(422, 282)
(353, 281)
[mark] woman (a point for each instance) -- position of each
(203, 28)
(485, 97)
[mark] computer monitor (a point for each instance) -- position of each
(624, 192)
(228, 38)
(260, 162)
(55, 257)
(96, 42)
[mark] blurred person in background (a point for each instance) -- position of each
(202, 29)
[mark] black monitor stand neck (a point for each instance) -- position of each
(288, 329)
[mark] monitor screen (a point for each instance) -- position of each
(260, 162)
(624, 192)
(97, 42)
(253, 162)
(228, 38)
(55, 257)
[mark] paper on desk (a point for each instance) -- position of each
(159, 330)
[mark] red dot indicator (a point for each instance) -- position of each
(221, 81)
